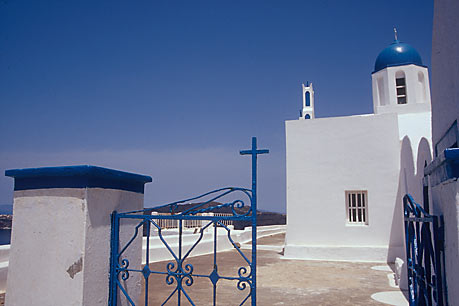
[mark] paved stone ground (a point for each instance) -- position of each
(280, 281)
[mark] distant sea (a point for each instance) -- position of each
(5, 234)
(6, 209)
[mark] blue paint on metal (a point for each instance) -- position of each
(77, 177)
(397, 54)
(214, 277)
(178, 272)
(254, 152)
(424, 241)
(452, 154)
(114, 248)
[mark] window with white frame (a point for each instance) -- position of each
(357, 207)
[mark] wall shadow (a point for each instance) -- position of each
(410, 181)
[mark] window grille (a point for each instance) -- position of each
(357, 207)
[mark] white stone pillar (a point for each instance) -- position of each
(60, 244)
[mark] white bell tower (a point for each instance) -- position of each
(400, 81)
(308, 102)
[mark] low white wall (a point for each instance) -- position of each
(4, 257)
(338, 253)
(4, 252)
(158, 252)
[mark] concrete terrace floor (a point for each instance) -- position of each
(279, 281)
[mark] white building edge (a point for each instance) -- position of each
(442, 174)
(346, 176)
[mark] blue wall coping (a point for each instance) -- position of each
(444, 167)
(84, 176)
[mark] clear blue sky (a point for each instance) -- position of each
(174, 89)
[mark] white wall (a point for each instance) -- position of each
(445, 110)
(445, 200)
(97, 243)
(46, 249)
(416, 126)
(445, 66)
(327, 156)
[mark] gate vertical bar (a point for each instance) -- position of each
(147, 258)
(440, 244)
(114, 248)
(438, 247)
(215, 265)
(254, 152)
(179, 264)
(254, 221)
(429, 253)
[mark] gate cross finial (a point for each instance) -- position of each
(254, 152)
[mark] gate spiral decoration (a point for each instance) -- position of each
(178, 273)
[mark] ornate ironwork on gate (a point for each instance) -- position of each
(424, 235)
(179, 273)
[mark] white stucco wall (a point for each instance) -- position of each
(326, 157)
(45, 245)
(445, 110)
(61, 244)
(445, 200)
(445, 66)
(101, 203)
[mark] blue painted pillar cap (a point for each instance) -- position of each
(77, 177)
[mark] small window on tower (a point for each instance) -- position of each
(401, 90)
(357, 207)
(308, 98)
(307, 116)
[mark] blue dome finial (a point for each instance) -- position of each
(397, 54)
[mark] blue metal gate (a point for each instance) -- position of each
(179, 273)
(424, 234)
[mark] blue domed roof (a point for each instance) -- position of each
(397, 54)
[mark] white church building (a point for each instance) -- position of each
(346, 176)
